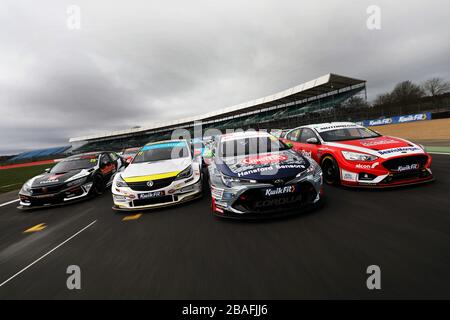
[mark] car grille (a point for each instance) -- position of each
(157, 184)
(394, 164)
(253, 200)
(157, 200)
(416, 174)
(47, 190)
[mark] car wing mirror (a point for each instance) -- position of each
(47, 170)
(312, 141)
(289, 145)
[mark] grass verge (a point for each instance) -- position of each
(13, 179)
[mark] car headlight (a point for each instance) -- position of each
(27, 186)
(186, 173)
(355, 156)
(229, 181)
(313, 169)
(120, 182)
(76, 182)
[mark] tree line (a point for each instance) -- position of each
(404, 92)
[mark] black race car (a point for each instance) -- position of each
(71, 179)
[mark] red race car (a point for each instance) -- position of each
(353, 155)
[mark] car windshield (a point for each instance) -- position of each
(348, 134)
(129, 153)
(248, 146)
(162, 151)
(77, 163)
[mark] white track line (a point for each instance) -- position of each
(43, 256)
(9, 202)
(446, 154)
(10, 185)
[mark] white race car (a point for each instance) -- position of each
(162, 173)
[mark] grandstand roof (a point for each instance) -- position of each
(311, 89)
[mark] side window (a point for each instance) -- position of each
(113, 156)
(294, 135)
(306, 134)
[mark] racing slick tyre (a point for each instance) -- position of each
(98, 185)
(330, 169)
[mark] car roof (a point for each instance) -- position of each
(329, 126)
(86, 154)
(244, 134)
(94, 153)
(166, 141)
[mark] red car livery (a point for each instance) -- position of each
(353, 155)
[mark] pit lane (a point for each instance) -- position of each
(183, 252)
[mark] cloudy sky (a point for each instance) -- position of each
(135, 62)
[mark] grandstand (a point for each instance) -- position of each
(48, 153)
(316, 100)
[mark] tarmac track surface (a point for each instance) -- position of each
(184, 252)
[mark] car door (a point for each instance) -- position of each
(293, 137)
(308, 148)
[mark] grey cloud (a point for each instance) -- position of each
(142, 61)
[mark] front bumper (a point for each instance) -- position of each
(392, 180)
(126, 199)
(254, 201)
(383, 174)
(68, 195)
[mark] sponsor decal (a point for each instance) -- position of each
(401, 149)
(380, 122)
(266, 159)
(373, 143)
(397, 119)
(278, 201)
(280, 190)
(408, 167)
(50, 179)
(412, 117)
(270, 168)
(306, 153)
(151, 195)
(337, 126)
(366, 166)
(348, 176)
(44, 196)
(268, 163)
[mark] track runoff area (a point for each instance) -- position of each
(183, 252)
